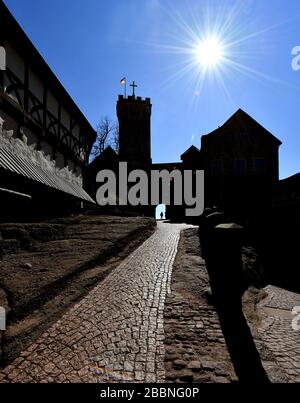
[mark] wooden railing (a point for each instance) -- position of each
(37, 112)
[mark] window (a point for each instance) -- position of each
(239, 167)
(217, 167)
(259, 165)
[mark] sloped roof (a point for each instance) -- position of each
(243, 119)
(108, 153)
(19, 39)
(23, 166)
(191, 150)
(291, 181)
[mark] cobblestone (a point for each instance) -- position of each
(277, 335)
(116, 332)
(195, 348)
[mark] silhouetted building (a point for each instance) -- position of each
(276, 232)
(45, 139)
(191, 158)
(108, 159)
(134, 115)
(287, 193)
(241, 165)
(240, 160)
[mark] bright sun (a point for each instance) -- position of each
(209, 52)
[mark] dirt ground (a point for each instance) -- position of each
(46, 267)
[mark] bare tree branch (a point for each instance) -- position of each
(106, 135)
(116, 139)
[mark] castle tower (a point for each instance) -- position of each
(134, 114)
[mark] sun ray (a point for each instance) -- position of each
(208, 47)
(258, 75)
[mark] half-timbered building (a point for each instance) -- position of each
(45, 140)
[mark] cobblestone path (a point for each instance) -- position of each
(195, 347)
(114, 334)
(276, 331)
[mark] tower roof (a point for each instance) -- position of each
(244, 121)
(132, 98)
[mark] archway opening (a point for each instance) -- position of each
(160, 212)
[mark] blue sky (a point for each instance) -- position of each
(92, 44)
